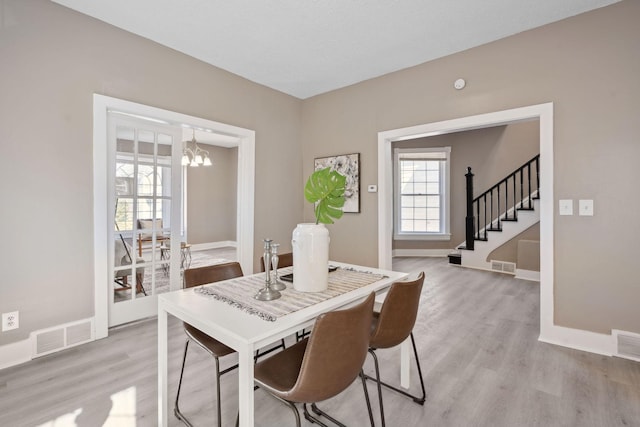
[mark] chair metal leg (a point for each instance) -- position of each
(300, 335)
(176, 408)
(417, 399)
(322, 413)
(260, 354)
(415, 354)
(317, 410)
(286, 402)
(366, 397)
(378, 383)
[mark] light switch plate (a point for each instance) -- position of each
(566, 207)
(585, 207)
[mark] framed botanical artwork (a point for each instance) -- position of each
(349, 166)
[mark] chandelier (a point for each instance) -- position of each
(196, 156)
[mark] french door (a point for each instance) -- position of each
(145, 181)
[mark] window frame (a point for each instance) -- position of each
(445, 196)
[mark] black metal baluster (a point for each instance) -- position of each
(521, 171)
(491, 209)
(529, 182)
(538, 175)
(515, 215)
(478, 219)
(484, 200)
(498, 209)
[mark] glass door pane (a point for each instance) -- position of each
(142, 194)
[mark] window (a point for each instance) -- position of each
(148, 172)
(422, 193)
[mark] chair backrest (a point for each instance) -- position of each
(398, 314)
(147, 224)
(335, 353)
(211, 273)
(122, 253)
(284, 260)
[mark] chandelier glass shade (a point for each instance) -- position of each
(195, 156)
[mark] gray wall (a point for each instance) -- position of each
(509, 251)
(52, 61)
(587, 66)
(212, 197)
(492, 154)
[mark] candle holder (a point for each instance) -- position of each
(267, 293)
(276, 284)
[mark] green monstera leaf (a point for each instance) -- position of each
(326, 189)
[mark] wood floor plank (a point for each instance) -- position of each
(476, 336)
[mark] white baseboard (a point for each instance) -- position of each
(214, 245)
(421, 252)
(531, 275)
(578, 339)
(15, 353)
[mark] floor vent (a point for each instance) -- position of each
(627, 345)
(58, 338)
(503, 267)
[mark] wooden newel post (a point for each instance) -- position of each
(470, 232)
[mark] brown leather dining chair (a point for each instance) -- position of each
(394, 324)
(199, 276)
(323, 365)
(284, 260)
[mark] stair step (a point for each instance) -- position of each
(526, 209)
(494, 229)
(482, 239)
(509, 219)
(455, 259)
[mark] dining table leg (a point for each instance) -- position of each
(163, 389)
(245, 387)
(405, 363)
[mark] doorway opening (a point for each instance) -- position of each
(544, 114)
(243, 139)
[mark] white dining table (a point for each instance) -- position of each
(246, 332)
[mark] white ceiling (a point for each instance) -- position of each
(308, 47)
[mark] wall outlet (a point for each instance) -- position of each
(10, 321)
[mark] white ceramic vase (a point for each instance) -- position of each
(310, 243)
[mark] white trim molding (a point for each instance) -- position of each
(15, 353)
(578, 339)
(437, 253)
(213, 245)
(531, 275)
(245, 200)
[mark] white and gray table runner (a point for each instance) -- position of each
(239, 292)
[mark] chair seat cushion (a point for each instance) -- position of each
(212, 345)
(279, 373)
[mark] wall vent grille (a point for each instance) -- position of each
(628, 345)
(50, 340)
(503, 267)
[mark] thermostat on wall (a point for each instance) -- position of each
(459, 84)
(372, 188)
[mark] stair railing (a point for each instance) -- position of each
(502, 201)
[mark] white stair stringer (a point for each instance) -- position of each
(477, 258)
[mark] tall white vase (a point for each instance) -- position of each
(310, 243)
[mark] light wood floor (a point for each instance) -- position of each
(477, 339)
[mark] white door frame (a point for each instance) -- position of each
(246, 185)
(541, 112)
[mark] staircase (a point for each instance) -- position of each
(498, 215)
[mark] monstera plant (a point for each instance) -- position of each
(326, 189)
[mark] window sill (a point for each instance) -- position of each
(422, 236)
